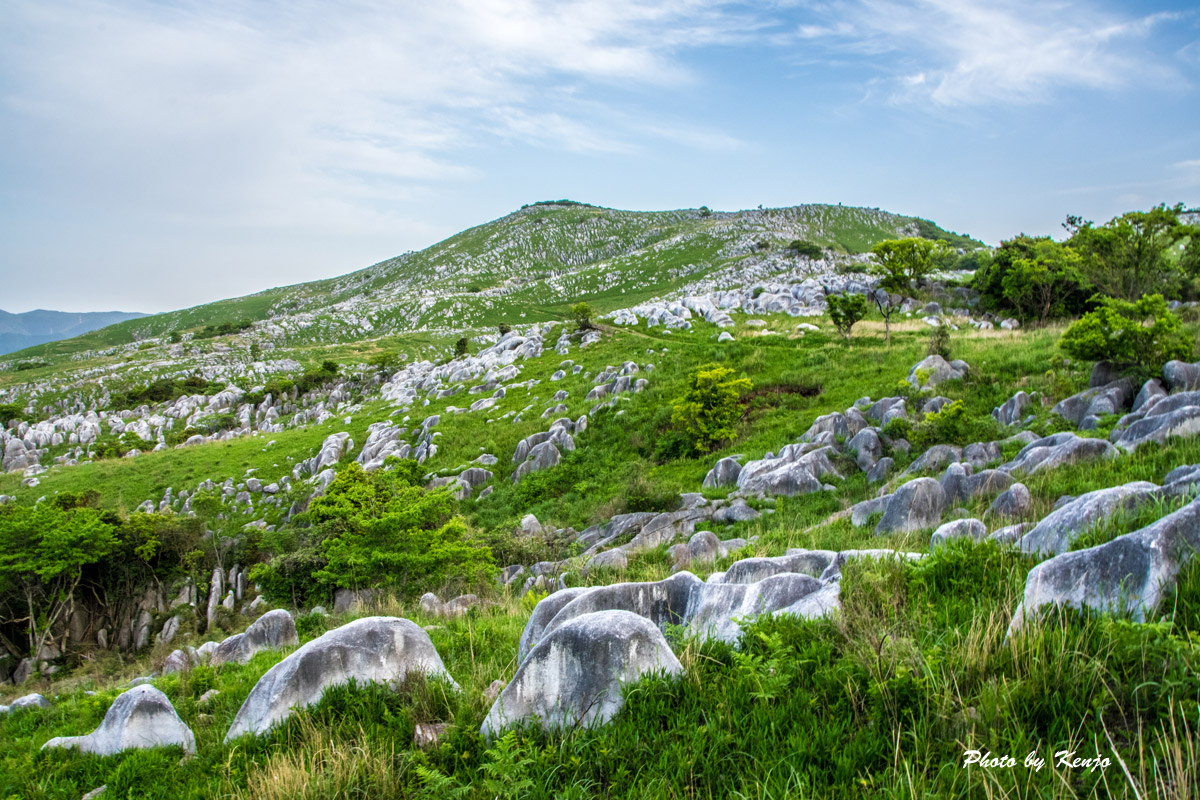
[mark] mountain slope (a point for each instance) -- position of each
(528, 266)
(19, 331)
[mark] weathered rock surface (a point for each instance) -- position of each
(916, 505)
(33, 700)
(573, 676)
(958, 529)
(1013, 410)
(936, 371)
(1129, 574)
(1058, 450)
(272, 630)
(372, 649)
(1062, 526)
(140, 718)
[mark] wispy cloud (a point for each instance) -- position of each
(227, 110)
(980, 52)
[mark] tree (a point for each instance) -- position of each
(43, 550)
(710, 407)
(887, 295)
(1144, 333)
(910, 259)
(505, 329)
(1128, 256)
(460, 347)
(582, 314)
(1040, 285)
(845, 310)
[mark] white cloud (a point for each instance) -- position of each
(317, 113)
(982, 52)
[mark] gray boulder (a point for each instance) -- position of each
(573, 677)
(1096, 402)
(542, 456)
(372, 649)
(1181, 376)
(1013, 410)
(882, 469)
(1014, 502)
(1151, 392)
(936, 371)
(737, 511)
(1058, 450)
(717, 609)
(861, 512)
(273, 629)
(142, 717)
(1129, 574)
(546, 609)
(804, 562)
(724, 473)
(1066, 523)
(935, 458)
(916, 505)
(33, 700)
(958, 529)
(866, 447)
(1162, 422)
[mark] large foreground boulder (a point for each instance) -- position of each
(273, 629)
(1129, 574)
(141, 717)
(574, 675)
(372, 649)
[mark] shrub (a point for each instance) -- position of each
(939, 342)
(10, 412)
(1144, 333)
(642, 494)
(582, 314)
(460, 347)
(710, 407)
(505, 328)
(805, 248)
(845, 310)
(952, 425)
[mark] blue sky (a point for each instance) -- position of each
(157, 155)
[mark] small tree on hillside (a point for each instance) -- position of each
(505, 329)
(710, 407)
(909, 259)
(460, 347)
(582, 314)
(1129, 256)
(887, 295)
(845, 310)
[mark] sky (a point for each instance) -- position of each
(159, 155)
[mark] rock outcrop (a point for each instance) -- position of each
(372, 649)
(573, 676)
(142, 717)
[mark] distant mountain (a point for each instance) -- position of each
(18, 331)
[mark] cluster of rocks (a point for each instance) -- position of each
(543, 450)
(581, 645)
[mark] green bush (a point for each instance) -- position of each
(582, 314)
(1144, 333)
(939, 342)
(952, 425)
(460, 347)
(710, 407)
(805, 248)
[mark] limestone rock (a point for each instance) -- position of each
(140, 718)
(1066, 523)
(574, 676)
(372, 649)
(958, 529)
(916, 505)
(273, 629)
(1129, 574)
